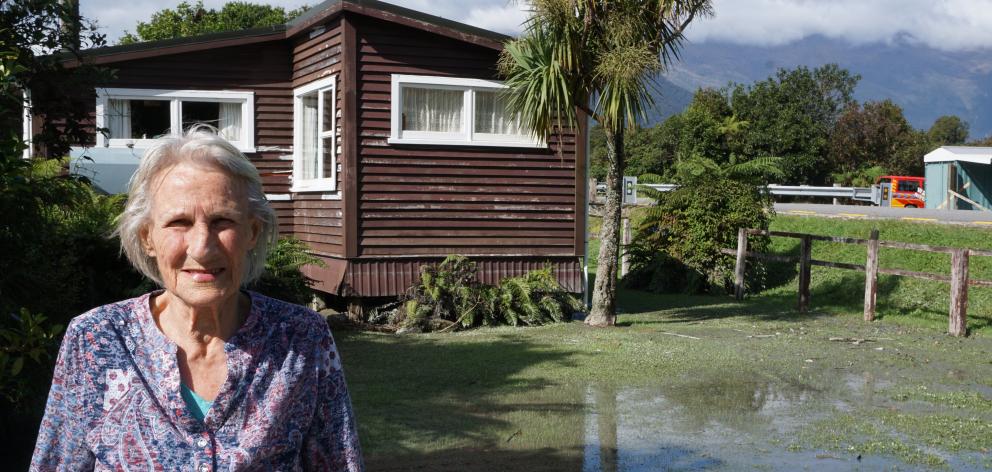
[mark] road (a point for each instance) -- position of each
(965, 217)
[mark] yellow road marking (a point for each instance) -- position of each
(801, 212)
(910, 218)
(853, 215)
(982, 222)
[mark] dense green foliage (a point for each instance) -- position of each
(58, 262)
(30, 32)
(449, 296)
(806, 117)
(191, 20)
(875, 134)
(283, 277)
(676, 247)
(948, 130)
(791, 115)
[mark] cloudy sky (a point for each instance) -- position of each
(942, 24)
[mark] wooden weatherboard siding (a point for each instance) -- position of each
(438, 200)
(318, 217)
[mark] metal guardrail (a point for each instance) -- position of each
(864, 194)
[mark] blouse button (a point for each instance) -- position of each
(202, 442)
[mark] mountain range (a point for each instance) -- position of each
(926, 82)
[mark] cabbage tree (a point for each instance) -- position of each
(595, 58)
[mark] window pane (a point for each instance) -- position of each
(117, 118)
(432, 110)
(229, 121)
(328, 157)
(328, 118)
(491, 115)
(149, 119)
(195, 113)
(908, 185)
(308, 153)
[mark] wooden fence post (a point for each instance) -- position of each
(871, 276)
(741, 263)
(805, 254)
(958, 325)
(624, 257)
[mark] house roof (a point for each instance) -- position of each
(975, 154)
(311, 17)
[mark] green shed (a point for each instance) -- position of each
(959, 178)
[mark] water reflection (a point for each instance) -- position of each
(727, 422)
(719, 423)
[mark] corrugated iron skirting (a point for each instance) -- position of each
(391, 277)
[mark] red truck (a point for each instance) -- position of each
(901, 191)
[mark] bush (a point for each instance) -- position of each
(57, 232)
(676, 247)
(283, 278)
(450, 297)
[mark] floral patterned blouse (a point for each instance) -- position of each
(115, 402)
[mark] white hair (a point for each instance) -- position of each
(202, 146)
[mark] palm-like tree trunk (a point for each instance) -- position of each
(604, 309)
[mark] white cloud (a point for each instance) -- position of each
(941, 24)
(507, 19)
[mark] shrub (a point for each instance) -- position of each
(283, 278)
(534, 298)
(29, 345)
(450, 297)
(676, 247)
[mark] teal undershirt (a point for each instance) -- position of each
(194, 403)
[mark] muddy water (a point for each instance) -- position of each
(729, 423)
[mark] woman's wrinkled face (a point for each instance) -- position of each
(199, 232)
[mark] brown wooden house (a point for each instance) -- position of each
(381, 137)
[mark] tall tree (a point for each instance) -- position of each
(948, 130)
(192, 20)
(867, 136)
(574, 52)
(986, 141)
(791, 115)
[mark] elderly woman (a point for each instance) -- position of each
(201, 375)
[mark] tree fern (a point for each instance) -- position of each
(448, 291)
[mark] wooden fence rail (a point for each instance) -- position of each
(958, 277)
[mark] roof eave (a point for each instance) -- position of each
(314, 16)
(141, 50)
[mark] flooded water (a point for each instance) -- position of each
(726, 424)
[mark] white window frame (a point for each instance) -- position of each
(27, 123)
(468, 136)
(175, 99)
(326, 184)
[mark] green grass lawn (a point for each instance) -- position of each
(522, 398)
(702, 378)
